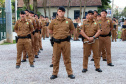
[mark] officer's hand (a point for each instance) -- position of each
(91, 39)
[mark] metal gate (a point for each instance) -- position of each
(2, 24)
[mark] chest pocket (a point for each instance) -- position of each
(19, 27)
(65, 27)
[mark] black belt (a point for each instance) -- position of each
(106, 35)
(23, 37)
(62, 40)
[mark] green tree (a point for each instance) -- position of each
(105, 5)
(2, 3)
(124, 12)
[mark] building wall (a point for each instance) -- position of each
(71, 11)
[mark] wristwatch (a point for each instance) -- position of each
(94, 37)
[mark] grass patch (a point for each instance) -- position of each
(119, 34)
(6, 43)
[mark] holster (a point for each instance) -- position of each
(52, 41)
(16, 38)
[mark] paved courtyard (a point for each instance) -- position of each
(41, 73)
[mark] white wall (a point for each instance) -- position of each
(71, 11)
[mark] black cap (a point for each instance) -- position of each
(103, 10)
(22, 12)
(96, 11)
(27, 10)
(31, 12)
(35, 15)
(99, 14)
(46, 16)
(61, 8)
(90, 11)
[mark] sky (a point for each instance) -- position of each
(120, 3)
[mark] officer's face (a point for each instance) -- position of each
(27, 13)
(31, 15)
(36, 16)
(90, 16)
(22, 16)
(95, 13)
(103, 14)
(98, 17)
(60, 13)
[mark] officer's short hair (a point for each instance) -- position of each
(103, 10)
(22, 12)
(27, 10)
(31, 12)
(46, 16)
(96, 11)
(61, 8)
(99, 14)
(35, 15)
(90, 11)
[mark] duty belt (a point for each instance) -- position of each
(106, 35)
(62, 40)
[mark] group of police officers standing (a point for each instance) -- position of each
(95, 30)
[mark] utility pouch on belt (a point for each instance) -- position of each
(115, 26)
(36, 31)
(16, 38)
(33, 32)
(52, 41)
(40, 31)
(62, 40)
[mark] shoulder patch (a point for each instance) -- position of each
(95, 23)
(67, 22)
(27, 23)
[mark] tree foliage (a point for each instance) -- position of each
(105, 5)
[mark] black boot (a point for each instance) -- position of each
(98, 70)
(71, 76)
(23, 60)
(84, 70)
(92, 59)
(51, 65)
(17, 66)
(110, 64)
(36, 56)
(53, 77)
(104, 59)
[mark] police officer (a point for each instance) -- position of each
(29, 17)
(24, 28)
(61, 28)
(114, 30)
(123, 35)
(90, 31)
(104, 39)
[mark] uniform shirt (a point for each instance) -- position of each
(105, 26)
(90, 27)
(23, 28)
(40, 22)
(43, 23)
(37, 24)
(61, 28)
(32, 20)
